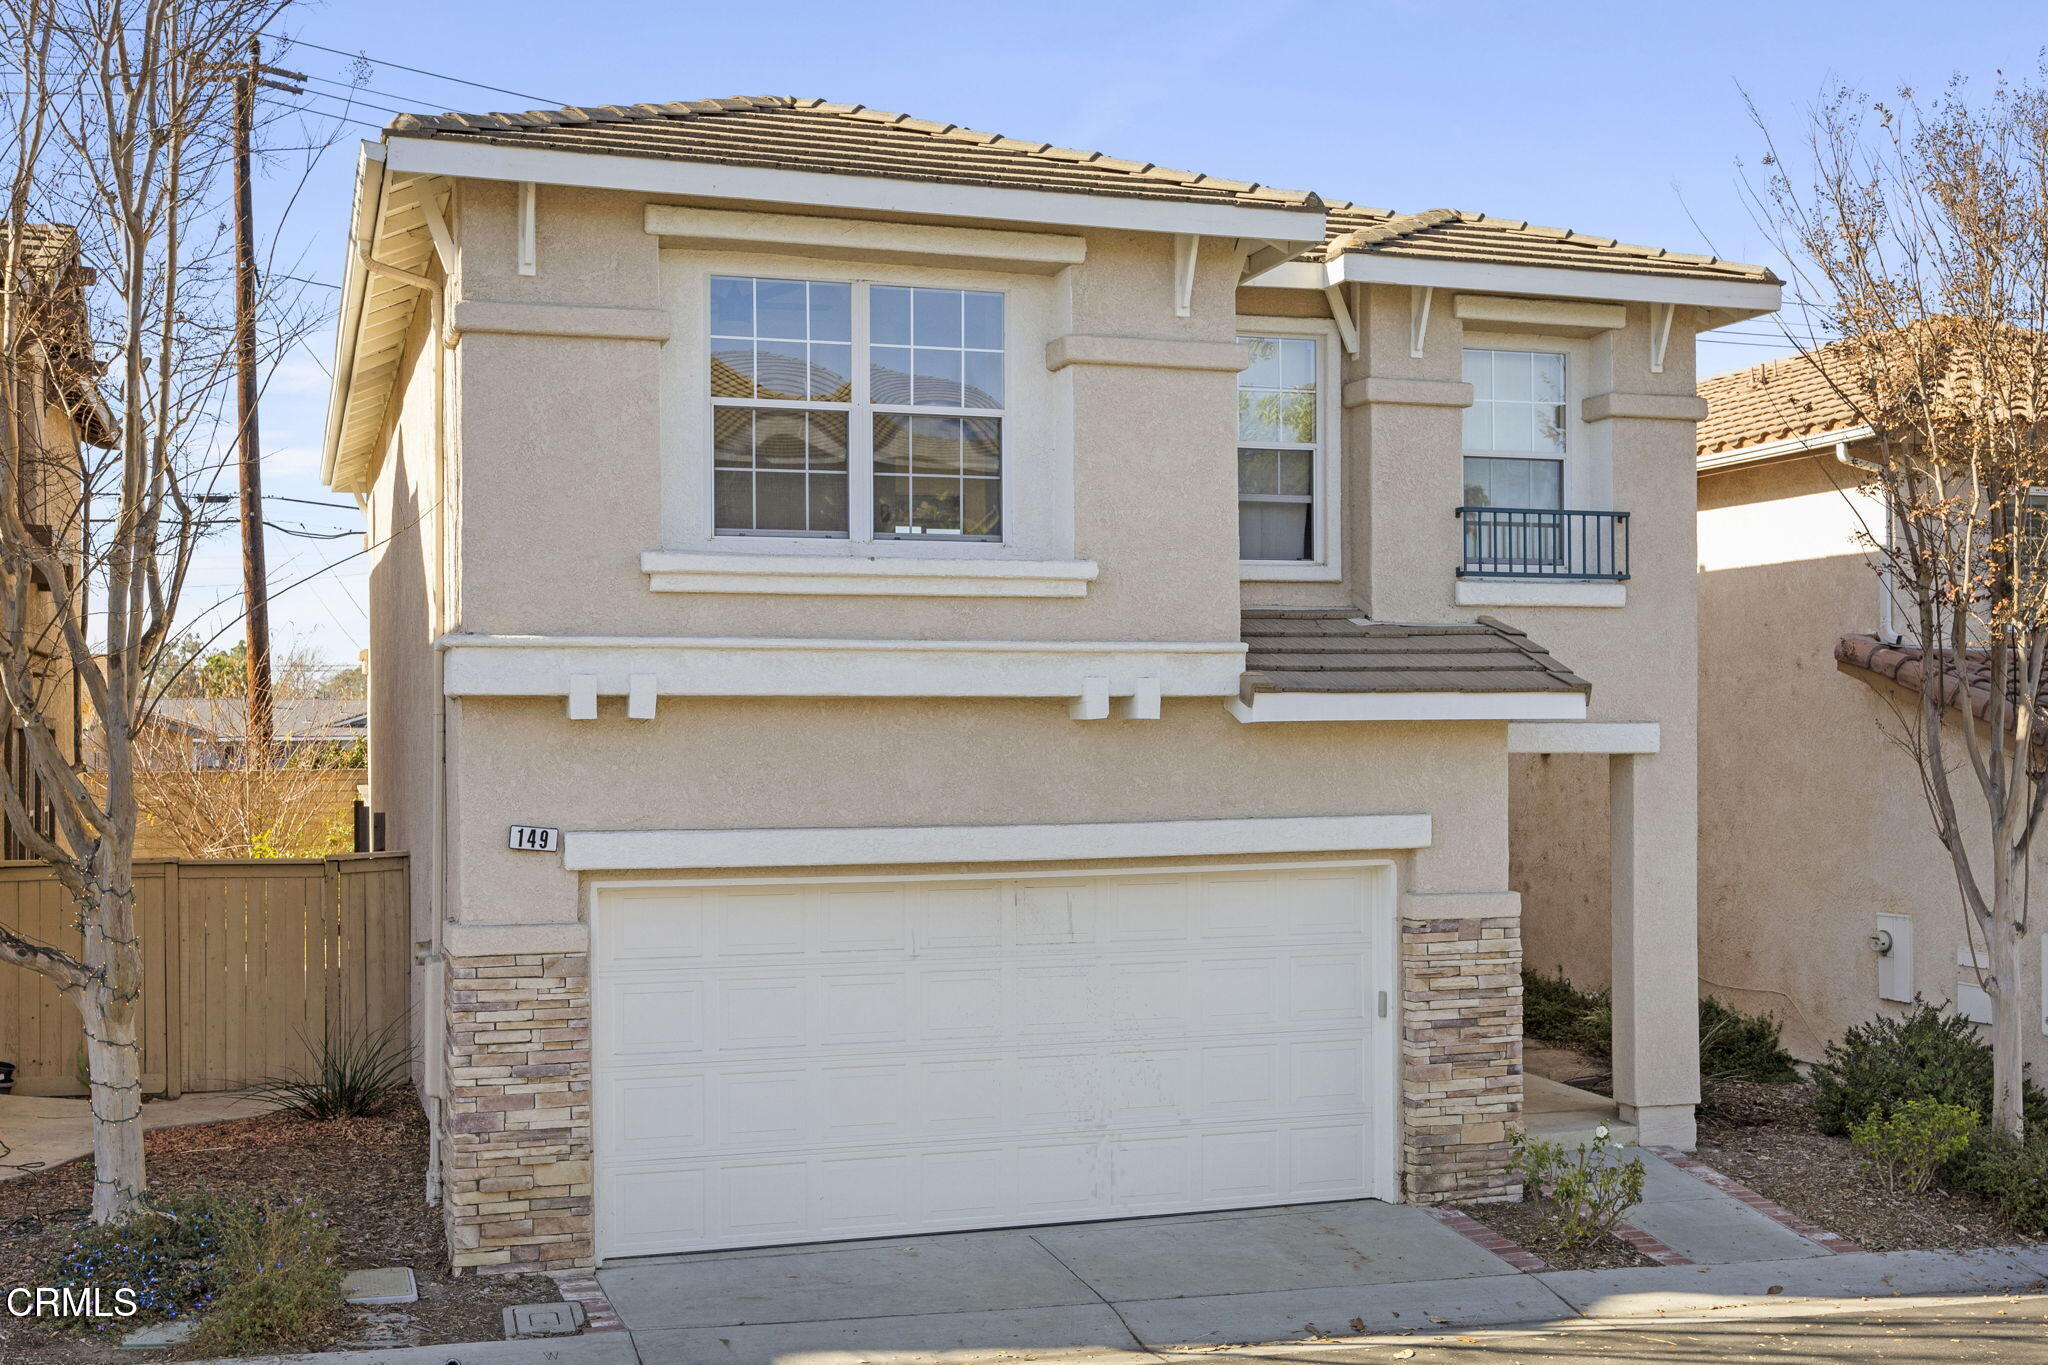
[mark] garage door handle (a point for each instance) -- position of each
(1383, 1004)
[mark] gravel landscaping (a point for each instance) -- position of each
(367, 1174)
(1765, 1136)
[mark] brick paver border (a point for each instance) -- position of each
(580, 1286)
(1472, 1230)
(1648, 1245)
(1776, 1212)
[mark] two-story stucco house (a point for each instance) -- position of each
(1026, 653)
(1808, 673)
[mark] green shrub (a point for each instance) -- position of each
(1910, 1144)
(1930, 1054)
(1584, 1191)
(357, 1070)
(281, 1287)
(1741, 1047)
(166, 1253)
(2010, 1176)
(1555, 1011)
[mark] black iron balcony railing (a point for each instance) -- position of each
(1537, 542)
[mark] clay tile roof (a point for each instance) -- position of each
(783, 132)
(1775, 401)
(1451, 235)
(1906, 665)
(1334, 649)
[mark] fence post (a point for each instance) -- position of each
(174, 983)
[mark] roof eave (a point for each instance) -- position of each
(479, 160)
(1732, 299)
(369, 192)
(1811, 443)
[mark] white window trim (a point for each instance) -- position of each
(1038, 519)
(1328, 497)
(1587, 481)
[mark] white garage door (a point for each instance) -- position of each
(788, 1063)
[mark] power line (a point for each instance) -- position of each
(421, 71)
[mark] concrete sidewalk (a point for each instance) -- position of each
(52, 1130)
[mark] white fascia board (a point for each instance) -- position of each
(828, 575)
(1342, 706)
(1793, 445)
(535, 666)
(862, 193)
(663, 849)
(355, 280)
(1549, 282)
(1584, 737)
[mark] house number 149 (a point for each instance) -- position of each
(536, 838)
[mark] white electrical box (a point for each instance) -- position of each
(1895, 966)
(1973, 1002)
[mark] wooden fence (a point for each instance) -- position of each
(243, 961)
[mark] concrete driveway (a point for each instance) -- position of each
(1088, 1291)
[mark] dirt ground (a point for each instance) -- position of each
(1525, 1225)
(368, 1175)
(1765, 1136)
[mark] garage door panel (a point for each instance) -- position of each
(907, 1057)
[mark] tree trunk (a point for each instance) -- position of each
(2008, 1026)
(111, 1006)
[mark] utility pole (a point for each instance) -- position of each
(255, 577)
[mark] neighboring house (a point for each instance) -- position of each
(214, 732)
(59, 374)
(1024, 651)
(1815, 838)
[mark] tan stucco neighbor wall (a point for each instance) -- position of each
(567, 457)
(1811, 817)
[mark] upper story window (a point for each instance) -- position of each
(854, 411)
(1279, 449)
(1515, 429)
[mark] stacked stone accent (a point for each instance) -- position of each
(1461, 1057)
(516, 1178)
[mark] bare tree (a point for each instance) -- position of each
(117, 135)
(1917, 229)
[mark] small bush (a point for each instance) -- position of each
(1910, 1144)
(1584, 1191)
(357, 1070)
(1930, 1054)
(1555, 1011)
(281, 1287)
(166, 1253)
(2010, 1176)
(1742, 1047)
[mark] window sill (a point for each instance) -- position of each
(1281, 571)
(1532, 592)
(844, 576)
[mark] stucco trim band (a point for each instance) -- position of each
(1649, 407)
(1039, 252)
(1585, 737)
(589, 322)
(1147, 353)
(543, 666)
(660, 849)
(836, 575)
(1325, 706)
(1495, 592)
(1417, 393)
(1558, 315)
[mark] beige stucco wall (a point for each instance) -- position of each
(1811, 817)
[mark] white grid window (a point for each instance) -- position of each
(1515, 429)
(856, 411)
(1279, 455)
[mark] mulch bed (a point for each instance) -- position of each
(368, 1175)
(1524, 1224)
(1765, 1136)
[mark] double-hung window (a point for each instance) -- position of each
(855, 411)
(1515, 455)
(1279, 450)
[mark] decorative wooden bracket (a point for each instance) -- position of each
(1185, 247)
(1418, 318)
(529, 249)
(1661, 315)
(1347, 326)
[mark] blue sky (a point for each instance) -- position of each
(1623, 119)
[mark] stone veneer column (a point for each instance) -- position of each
(516, 1168)
(1461, 1057)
